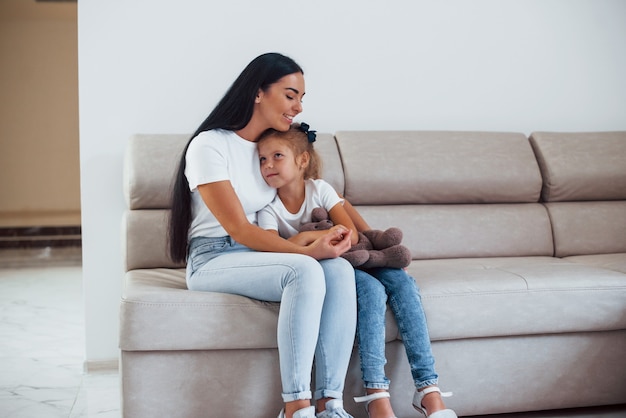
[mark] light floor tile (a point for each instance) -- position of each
(42, 342)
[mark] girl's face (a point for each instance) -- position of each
(281, 102)
(279, 165)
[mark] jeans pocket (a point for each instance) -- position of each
(203, 250)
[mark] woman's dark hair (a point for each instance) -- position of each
(233, 112)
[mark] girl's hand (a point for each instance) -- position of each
(339, 231)
(331, 245)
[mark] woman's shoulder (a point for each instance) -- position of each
(213, 134)
(212, 139)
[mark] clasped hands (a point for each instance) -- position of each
(332, 244)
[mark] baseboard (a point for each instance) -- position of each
(40, 236)
(101, 366)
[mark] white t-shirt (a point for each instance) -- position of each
(318, 194)
(218, 155)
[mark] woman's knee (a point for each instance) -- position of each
(338, 272)
(307, 270)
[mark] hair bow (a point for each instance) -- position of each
(304, 127)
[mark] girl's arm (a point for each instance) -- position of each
(222, 201)
(358, 222)
(307, 237)
(341, 220)
(340, 216)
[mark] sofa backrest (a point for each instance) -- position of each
(149, 166)
(454, 194)
(584, 187)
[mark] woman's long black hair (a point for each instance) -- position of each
(233, 112)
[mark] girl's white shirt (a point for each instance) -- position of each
(218, 155)
(318, 193)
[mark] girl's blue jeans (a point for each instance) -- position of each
(317, 316)
(375, 288)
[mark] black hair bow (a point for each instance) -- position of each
(304, 127)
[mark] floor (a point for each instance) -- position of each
(41, 344)
(42, 340)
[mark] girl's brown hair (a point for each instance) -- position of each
(299, 142)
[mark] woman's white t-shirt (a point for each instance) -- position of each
(218, 155)
(318, 194)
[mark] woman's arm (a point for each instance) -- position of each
(222, 201)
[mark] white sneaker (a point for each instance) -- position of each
(334, 409)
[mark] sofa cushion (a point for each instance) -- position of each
(144, 244)
(489, 297)
(458, 231)
(159, 312)
(156, 303)
(150, 162)
(616, 262)
(583, 228)
(400, 167)
(581, 166)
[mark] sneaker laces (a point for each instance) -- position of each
(334, 409)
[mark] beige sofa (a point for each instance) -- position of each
(519, 248)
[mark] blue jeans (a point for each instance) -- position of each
(375, 288)
(317, 316)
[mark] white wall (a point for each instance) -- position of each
(156, 66)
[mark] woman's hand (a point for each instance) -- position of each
(330, 245)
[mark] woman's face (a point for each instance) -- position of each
(281, 102)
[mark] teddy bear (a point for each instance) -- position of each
(375, 248)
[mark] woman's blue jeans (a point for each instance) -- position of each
(375, 288)
(317, 316)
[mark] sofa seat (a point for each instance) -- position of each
(462, 299)
(545, 295)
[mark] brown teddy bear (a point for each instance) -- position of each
(375, 248)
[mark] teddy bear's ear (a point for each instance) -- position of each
(319, 214)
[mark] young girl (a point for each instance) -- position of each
(217, 193)
(290, 164)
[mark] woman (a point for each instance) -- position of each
(217, 193)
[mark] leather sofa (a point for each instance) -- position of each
(519, 250)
